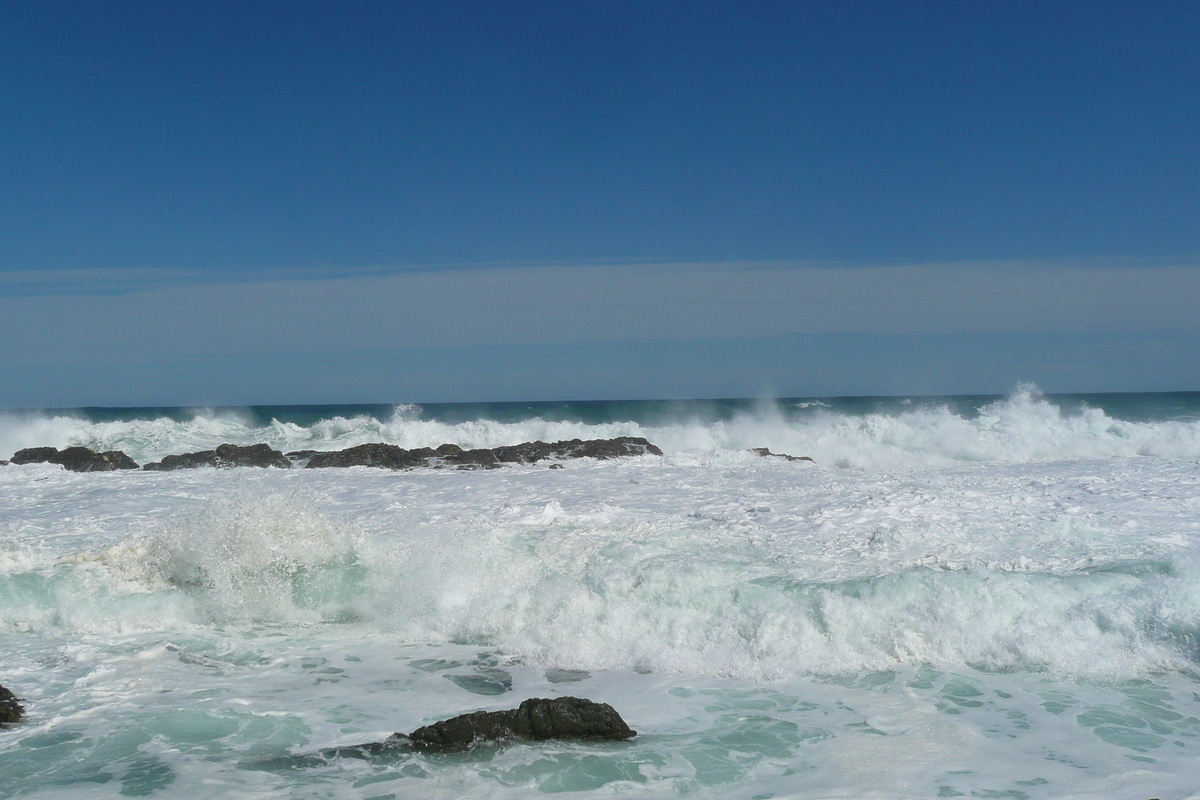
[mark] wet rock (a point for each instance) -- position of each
(35, 455)
(75, 459)
(255, 455)
(10, 709)
(390, 456)
(621, 446)
(766, 453)
(537, 719)
(204, 458)
(472, 459)
(226, 455)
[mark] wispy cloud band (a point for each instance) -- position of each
(155, 314)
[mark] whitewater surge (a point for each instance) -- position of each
(994, 599)
(1022, 427)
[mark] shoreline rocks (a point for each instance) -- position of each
(390, 456)
(535, 720)
(379, 454)
(10, 709)
(75, 459)
(225, 456)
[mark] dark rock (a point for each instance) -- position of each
(204, 458)
(75, 459)
(537, 719)
(10, 709)
(472, 459)
(765, 452)
(226, 455)
(3, 462)
(388, 456)
(35, 455)
(531, 452)
(556, 466)
(255, 455)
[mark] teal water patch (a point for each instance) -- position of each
(486, 677)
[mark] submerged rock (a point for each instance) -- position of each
(766, 452)
(536, 719)
(75, 459)
(10, 709)
(226, 455)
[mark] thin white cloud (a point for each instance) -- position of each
(622, 302)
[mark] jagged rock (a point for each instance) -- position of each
(226, 455)
(537, 719)
(10, 709)
(765, 452)
(75, 459)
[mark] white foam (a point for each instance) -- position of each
(988, 626)
(746, 574)
(1025, 427)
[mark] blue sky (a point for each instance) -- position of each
(303, 202)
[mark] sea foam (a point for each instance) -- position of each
(1023, 427)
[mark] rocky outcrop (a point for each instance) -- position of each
(531, 452)
(226, 455)
(10, 709)
(391, 456)
(537, 719)
(766, 453)
(388, 456)
(75, 459)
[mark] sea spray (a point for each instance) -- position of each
(990, 596)
(1023, 427)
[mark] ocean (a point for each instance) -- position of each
(992, 597)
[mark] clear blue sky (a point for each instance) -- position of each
(156, 152)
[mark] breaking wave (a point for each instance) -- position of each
(1023, 427)
(611, 602)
